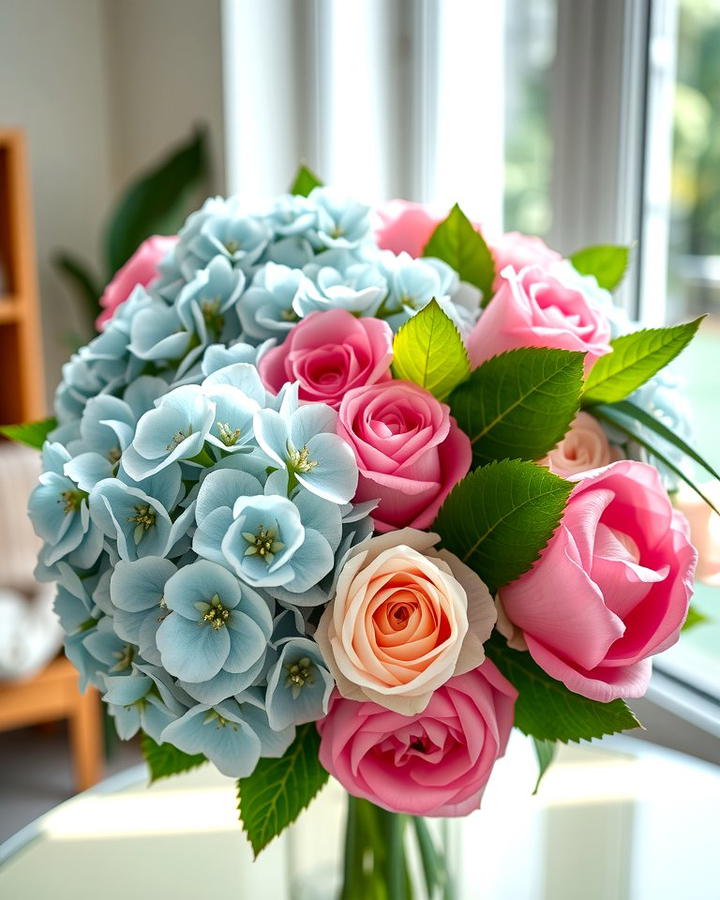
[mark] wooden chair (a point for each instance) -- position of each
(53, 694)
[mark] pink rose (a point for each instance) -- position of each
(404, 226)
(611, 588)
(328, 354)
(140, 269)
(409, 450)
(584, 447)
(535, 309)
(404, 619)
(519, 251)
(436, 763)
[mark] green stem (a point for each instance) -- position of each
(204, 458)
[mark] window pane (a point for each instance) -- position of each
(530, 51)
(693, 282)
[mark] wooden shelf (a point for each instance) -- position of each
(21, 363)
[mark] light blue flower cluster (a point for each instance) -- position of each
(195, 523)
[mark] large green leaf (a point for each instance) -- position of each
(304, 182)
(546, 709)
(164, 759)
(520, 403)
(456, 242)
(428, 350)
(613, 415)
(156, 203)
(607, 262)
(545, 752)
(34, 434)
(83, 282)
(499, 518)
(279, 789)
(635, 358)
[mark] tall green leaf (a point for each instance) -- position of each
(499, 518)
(546, 709)
(164, 759)
(520, 403)
(611, 414)
(607, 262)
(456, 242)
(83, 282)
(156, 203)
(33, 434)
(279, 789)
(428, 350)
(635, 358)
(545, 752)
(304, 182)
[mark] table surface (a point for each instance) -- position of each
(622, 820)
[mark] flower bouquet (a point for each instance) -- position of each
(353, 492)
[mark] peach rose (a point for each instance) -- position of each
(584, 447)
(404, 619)
(704, 529)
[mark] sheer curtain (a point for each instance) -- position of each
(383, 99)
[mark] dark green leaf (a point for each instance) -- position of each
(428, 350)
(164, 759)
(546, 709)
(694, 617)
(499, 518)
(279, 789)
(611, 413)
(456, 242)
(305, 181)
(520, 403)
(157, 202)
(545, 752)
(83, 283)
(635, 358)
(607, 262)
(626, 408)
(34, 434)
(433, 860)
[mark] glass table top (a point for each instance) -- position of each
(622, 820)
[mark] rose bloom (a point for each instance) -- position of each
(436, 763)
(610, 589)
(409, 450)
(584, 447)
(534, 309)
(404, 619)
(328, 354)
(519, 251)
(140, 269)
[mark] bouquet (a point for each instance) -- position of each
(353, 492)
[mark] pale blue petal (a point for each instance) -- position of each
(311, 563)
(191, 651)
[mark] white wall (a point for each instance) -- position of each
(101, 88)
(53, 85)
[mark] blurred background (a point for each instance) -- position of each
(582, 121)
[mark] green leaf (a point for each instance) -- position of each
(635, 358)
(279, 789)
(612, 413)
(305, 181)
(520, 403)
(157, 202)
(694, 617)
(34, 434)
(428, 350)
(164, 759)
(546, 709)
(499, 518)
(545, 752)
(456, 242)
(607, 262)
(83, 283)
